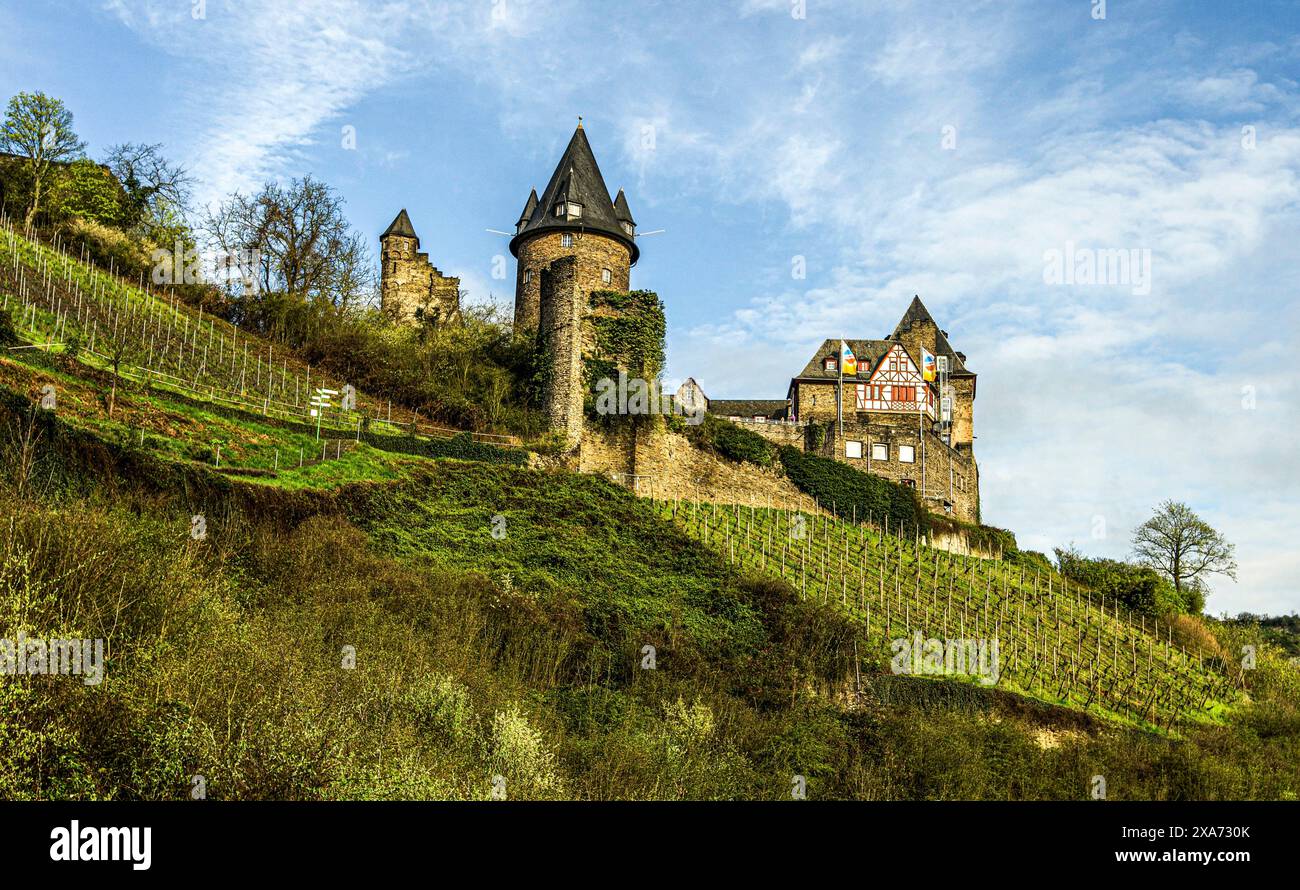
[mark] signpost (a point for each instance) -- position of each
(319, 403)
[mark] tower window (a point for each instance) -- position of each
(528, 275)
(606, 276)
(907, 454)
(627, 227)
(566, 240)
(575, 210)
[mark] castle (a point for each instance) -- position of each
(901, 407)
(410, 288)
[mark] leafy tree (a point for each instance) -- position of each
(87, 191)
(38, 128)
(1184, 549)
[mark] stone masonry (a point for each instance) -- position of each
(410, 286)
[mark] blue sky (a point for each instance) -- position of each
(754, 136)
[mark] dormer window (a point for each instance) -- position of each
(631, 231)
(568, 209)
(519, 228)
(830, 363)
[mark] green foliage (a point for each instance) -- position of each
(85, 190)
(8, 336)
(471, 374)
(850, 493)
(628, 330)
(633, 336)
(1139, 588)
(731, 441)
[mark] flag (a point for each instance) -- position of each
(927, 364)
(848, 361)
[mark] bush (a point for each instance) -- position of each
(1139, 588)
(852, 494)
(731, 441)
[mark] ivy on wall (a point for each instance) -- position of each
(629, 338)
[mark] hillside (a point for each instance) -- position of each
(389, 612)
(1067, 647)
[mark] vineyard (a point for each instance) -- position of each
(1055, 643)
(58, 300)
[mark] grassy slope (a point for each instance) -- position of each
(1062, 646)
(476, 655)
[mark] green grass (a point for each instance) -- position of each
(519, 655)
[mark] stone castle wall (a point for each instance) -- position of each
(409, 283)
(938, 472)
(560, 337)
(593, 254)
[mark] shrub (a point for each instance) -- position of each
(731, 441)
(850, 493)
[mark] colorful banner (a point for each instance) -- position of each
(928, 370)
(848, 361)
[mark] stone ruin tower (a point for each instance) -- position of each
(572, 241)
(410, 287)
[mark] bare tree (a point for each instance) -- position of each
(38, 128)
(154, 186)
(1183, 547)
(119, 352)
(305, 246)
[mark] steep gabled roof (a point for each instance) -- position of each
(577, 178)
(401, 226)
(868, 353)
(917, 312)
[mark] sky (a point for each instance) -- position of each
(949, 150)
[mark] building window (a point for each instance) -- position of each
(566, 240)
(852, 449)
(908, 483)
(528, 275)
(829, 363)
(907, 454)
(880, 451)
(606, 276)
(627, 227)
(575, 210)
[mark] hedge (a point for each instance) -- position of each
(852, 494)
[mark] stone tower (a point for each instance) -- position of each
(409, 285)
(917, 330)
(574, 217)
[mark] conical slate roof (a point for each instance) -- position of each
(577, 178)
(401, 226)
(529, 207)
(621, 210)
